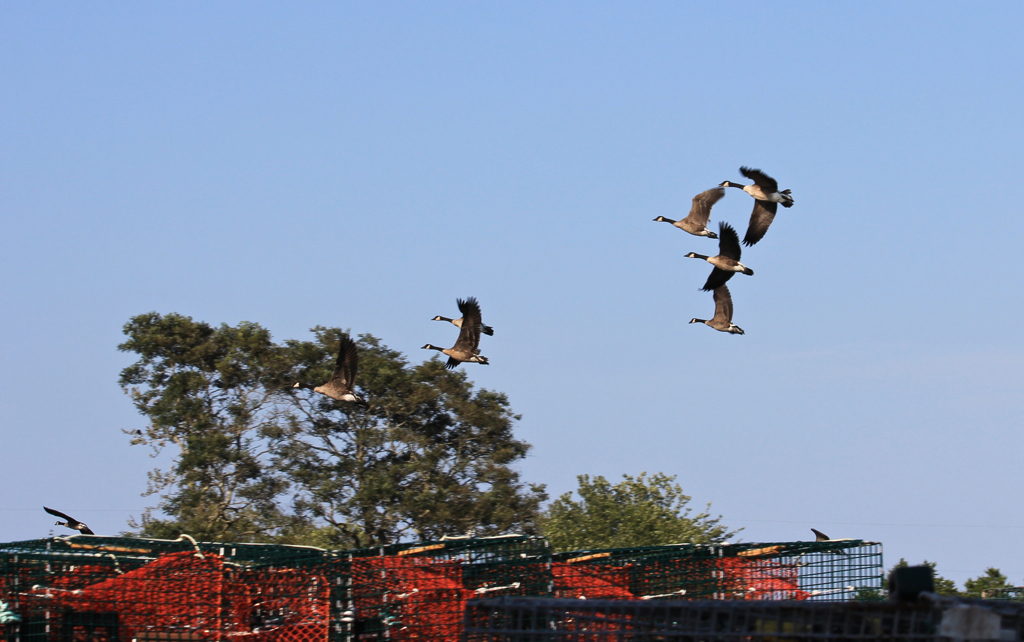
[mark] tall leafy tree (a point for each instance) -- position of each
(259, 460)
(993, 580)
(430, 456)
(208, 392)
(640, 511)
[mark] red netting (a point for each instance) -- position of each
(193, 596)
(413, 598)
(591, 581)
(755, 579)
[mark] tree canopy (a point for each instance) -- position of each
(258, 460)
(640, 511)
(992, 580)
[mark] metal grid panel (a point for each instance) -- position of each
(418, 591)
(560, 620)
(817, 571)
(102, 589)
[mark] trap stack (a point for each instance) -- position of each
(816, 571)
(99, 589)
(419, 591)
(563, 620)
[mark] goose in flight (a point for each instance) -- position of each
(466, 346)
(486, 329)
(696, 222)
(767, 197)
(341, 385)
(727, 262)
(70, 522)
(722, 321)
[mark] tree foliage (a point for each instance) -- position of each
(430, 456)
(637, 511)
(257, 460)
(992, 580)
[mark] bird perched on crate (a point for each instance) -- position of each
(822, 537)
(70, 522)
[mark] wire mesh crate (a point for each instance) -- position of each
(102, 589)
(821, 571)
(564, 620)
(1011, 593)
(418, 591)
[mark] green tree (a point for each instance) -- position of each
(992, 580)
(637, 511)
(258, 460)
(431, 456)
(943, 586)
(205, 392)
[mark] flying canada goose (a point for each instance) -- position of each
(341, 385)
(822, 537)
(722, 320)
(767, 197)
(727, 262)
(465, 348)
(486, 329)
(696, 222)
(70, 522)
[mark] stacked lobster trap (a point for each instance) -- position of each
(821, 571)
(100, 589)
(931, 619)
(419, 591)
(86, 588)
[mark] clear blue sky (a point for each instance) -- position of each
(364, 164)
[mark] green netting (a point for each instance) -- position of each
(822, 571)
(103, 589)
(418, 591)
(1014, 594)
(565, 620)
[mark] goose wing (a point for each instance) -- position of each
(344, 377)
(717, 279)
(723, 305)
(700, 211)
(728, 242)
(760, 219)
(71, 521)
(768, 184)
(819, 536)
(56, 513)
(348, 362)
(469, 334)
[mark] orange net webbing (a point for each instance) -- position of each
(591, 581)
(196, 597)
(757, 579)
(414, 598)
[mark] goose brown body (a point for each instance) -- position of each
(486, 329)
(341, 385)
(722, 321)
(70, 522)
(696, 222)
(767, 198)
(727, 262)
(466, 348)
